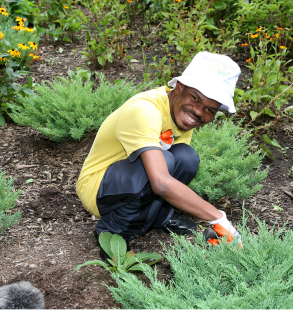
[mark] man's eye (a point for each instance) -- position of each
(195, 98)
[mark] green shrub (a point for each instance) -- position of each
(69, 108)
(227, 166)
(259, 276)
(7, 201)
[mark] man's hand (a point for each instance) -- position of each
(224, 228)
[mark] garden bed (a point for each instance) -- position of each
(56, 233)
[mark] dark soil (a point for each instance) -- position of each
(56, 232)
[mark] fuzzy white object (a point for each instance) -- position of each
(21, 295)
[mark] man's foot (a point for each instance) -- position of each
(103, 254)
(179, 224)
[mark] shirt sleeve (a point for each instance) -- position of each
(139, 126)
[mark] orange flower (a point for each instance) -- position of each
(291, 38)
(66, 6)
(254, 35)
(244, 44)
(178, 0)
(277, 35)
(258, 29)
(130, 1)
(196, 40)
(248, 60)
(280, 28)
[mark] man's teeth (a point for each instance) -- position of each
(189, 118)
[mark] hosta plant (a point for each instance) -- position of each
(122, 261)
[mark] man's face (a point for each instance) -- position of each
(190, 108)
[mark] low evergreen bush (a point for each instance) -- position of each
(258, 276)
(67, 109)
(8, 198)
(228, 167)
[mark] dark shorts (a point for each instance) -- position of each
(125, 200)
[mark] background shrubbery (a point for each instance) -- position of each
(70, 108)
(259, 276)
(8, 198)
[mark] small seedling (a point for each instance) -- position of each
(115, 246)
(277, 208)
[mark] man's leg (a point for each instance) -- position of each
(126, 201)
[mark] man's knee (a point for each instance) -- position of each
(186, 158)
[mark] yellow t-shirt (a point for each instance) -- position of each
(138, 123)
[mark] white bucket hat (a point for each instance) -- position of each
(214, 75)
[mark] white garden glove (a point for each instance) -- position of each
(224, 228)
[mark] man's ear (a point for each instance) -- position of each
(178, 88)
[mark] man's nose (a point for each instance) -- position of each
(199, 110)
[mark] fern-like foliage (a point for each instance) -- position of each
(68, 109)
(8, 198)
(258, 276)
(228, 167)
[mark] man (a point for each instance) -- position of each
(140, 163)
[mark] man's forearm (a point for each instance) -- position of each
(182, 197)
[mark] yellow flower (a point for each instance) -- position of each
(23, 46)
(178, 0)
(3, 59)
(267, 37)
(258, 29)
(28, 29)
(282, 47)
(248, 60)
(130, 1)
(1, 35)
(196, 40)
(66, 6)
(277, 35)
(34, 56)
(33, 45)
(254, 35)
(19, 19)
(244, 44)
(3, 12)
(17, 28)
(15, 53)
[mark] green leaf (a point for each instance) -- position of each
(29, 181)
(273, 142)
(118, 248)
(104, 240)
(145, 255)
(129, 260)
(28, 91)
(139, 267)
(267, 151)
(253, 114)
(270, 112)
(2, 120)
(92, 262)
(219, 5)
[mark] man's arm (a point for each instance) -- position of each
(176, 193)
